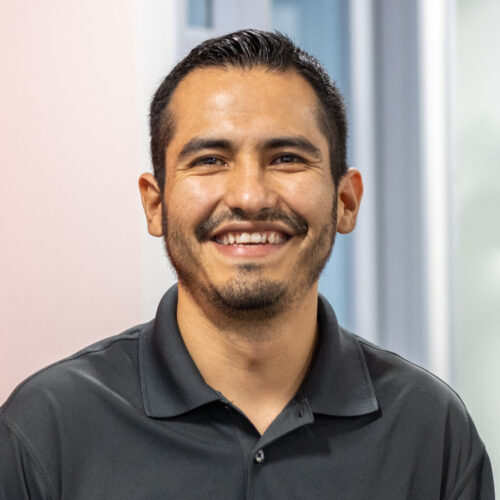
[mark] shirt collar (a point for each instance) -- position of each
(170, 381)
(338, 382)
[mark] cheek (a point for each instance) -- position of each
(310, 198)
(192, 198)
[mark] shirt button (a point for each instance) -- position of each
(259, 456)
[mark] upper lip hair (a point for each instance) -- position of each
(251, 227)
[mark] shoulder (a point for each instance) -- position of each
(426, 414)
(396, 377)
(60, 386)
(49, 413)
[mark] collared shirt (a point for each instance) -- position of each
(132, 418)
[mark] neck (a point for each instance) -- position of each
(259, 364)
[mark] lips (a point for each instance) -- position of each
(246, 239)
(251, 243)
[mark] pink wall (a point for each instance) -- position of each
(69, 158)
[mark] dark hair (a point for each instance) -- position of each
(247, 49)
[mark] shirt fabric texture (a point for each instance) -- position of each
(132, 418)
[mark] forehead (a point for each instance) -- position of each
(228, 100)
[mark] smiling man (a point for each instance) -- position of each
(250, 160)
(244, 385)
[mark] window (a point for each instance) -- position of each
(200, 13)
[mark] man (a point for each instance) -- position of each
(244, 385)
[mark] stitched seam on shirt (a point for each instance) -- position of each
(142, 380)
(467, 477)
(18, 435)
(65, 360)
(369, 345)
(366, 372)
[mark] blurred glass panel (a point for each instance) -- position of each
(322, 28)
(476, 192)
(200, 13)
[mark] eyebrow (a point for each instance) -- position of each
(197, 144)
(297, 142)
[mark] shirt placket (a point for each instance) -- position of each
(297, 414)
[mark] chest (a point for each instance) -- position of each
(222, 456)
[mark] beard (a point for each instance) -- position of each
(249, 295)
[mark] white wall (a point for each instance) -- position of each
(76, 263)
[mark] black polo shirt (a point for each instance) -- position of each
(131, 418)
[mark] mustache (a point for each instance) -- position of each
(293, 220)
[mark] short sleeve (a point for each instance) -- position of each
(20, 477)
(479, 484)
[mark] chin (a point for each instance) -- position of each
(244, 297)
(248, 299)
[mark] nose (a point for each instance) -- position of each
(250, 188)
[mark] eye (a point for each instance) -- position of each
(208, 161)
(287, 158)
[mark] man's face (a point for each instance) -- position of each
(249, 200)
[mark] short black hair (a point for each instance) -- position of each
(247, 49)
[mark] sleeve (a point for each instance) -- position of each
(20, 476)
(479, 484)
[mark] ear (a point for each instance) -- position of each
(349, 193)
(151, 201)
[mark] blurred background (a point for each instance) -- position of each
(421, 273)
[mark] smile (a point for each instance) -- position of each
(251, 238)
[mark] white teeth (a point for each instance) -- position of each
(271, 237)
(243, 238)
